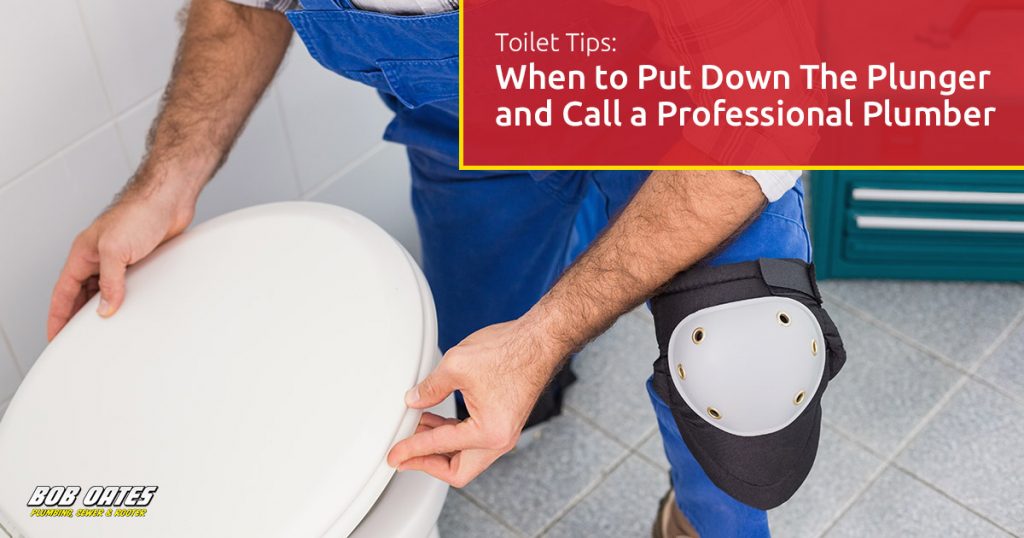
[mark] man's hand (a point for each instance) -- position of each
(100, 255)
(676, 219)
(226, 58)
(501, 371)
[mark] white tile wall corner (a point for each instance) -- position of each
(10, 375)
(379, 189)
(40, 214)
(330, 120)
(134, 44)
(50, 94)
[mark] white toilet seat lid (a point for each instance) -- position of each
(255, 374)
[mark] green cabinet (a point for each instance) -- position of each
(947, 225)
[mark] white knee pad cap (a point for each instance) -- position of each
(748, 367)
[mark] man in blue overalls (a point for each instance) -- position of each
(525, 267)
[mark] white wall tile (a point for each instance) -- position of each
(10, 377)
(51, 94)
(330, 120)
(379, 189)
(134, 43)
(40, 214)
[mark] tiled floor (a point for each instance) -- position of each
(924, 432)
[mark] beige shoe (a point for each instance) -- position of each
(671, 523)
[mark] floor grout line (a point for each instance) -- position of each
(643, 438)
(584, 493)
(940, 491)
(1002, 391)
(903, 337)
(593, 424)
(881, 466)
(645, 457)
(851, 438)
(852, 500)
(647, 461)
(486, 510)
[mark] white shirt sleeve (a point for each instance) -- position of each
(276, 5)
(774, 183)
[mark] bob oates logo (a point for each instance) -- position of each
(98, 501)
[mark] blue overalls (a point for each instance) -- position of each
(494, 242)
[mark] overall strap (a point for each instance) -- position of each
(325, 5)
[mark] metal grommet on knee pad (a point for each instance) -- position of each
(783, 318)
(745, 378)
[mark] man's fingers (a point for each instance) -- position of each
(429, 421)
(113, 263)
(436, 465)
(432, 390)
(440, 440)
(81, 299)
(64, 301)
(433, 421)
(457, 470)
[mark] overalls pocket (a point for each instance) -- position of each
(421, 82)
(356, 43)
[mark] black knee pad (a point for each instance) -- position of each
(746, 352)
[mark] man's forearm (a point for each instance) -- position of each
(675, 220)
(227, 56)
